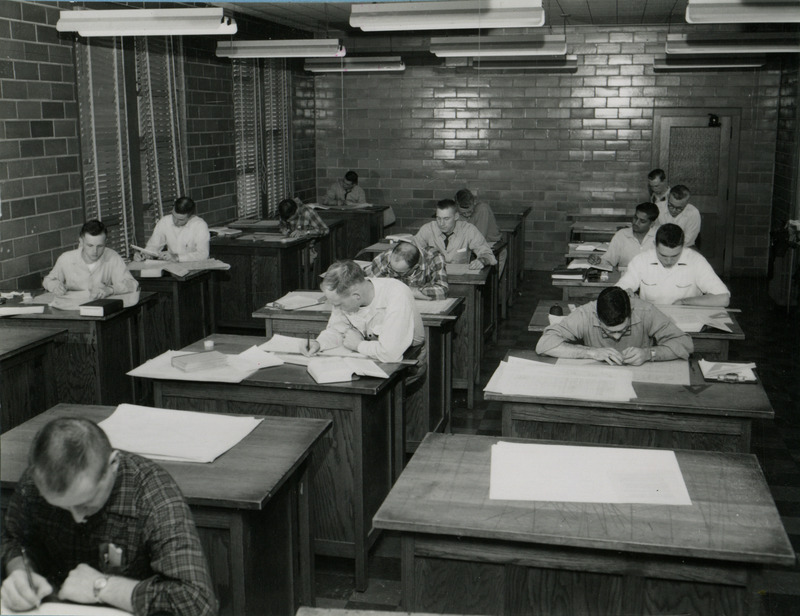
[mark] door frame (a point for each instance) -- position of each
(735, 114)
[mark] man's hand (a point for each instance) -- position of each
(166, 255)
(594, 259)
(420, 295)
(476, 265)
(608, 355)
(635, 356)
(297, 233)
(352, 338)
(100, 292)
(16, 594)
(138, 256)
(79, 585)
(312, 348)
(59, 288)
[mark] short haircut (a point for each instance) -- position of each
(287, 209)
(464, 198)
(613, 306)
(408, 252)
(446, 204)
(185, 205)
(93, 228)
(657, 174)
(342, 276)
(648, 209)
(351, 176)
(66, 447)
(680, 192)
(669, 235)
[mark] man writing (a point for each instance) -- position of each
(456, 239)
(673, 274)
(96, 525)
(91, 267)
(678, 211)
(376, 317)
(184, 234)
(631, 241)
(616, 329)
(424, 271)
(299, 220)
(345, 191)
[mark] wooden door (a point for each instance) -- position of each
(704, 158)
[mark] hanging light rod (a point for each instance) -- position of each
(742, 11)
(146, 22)
(707, 62)
(566, 64)
(487, 46)
(733, 43)
(355, 65)
(447, 15)
(288, 48)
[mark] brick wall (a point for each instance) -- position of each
(40, 182)
(303, 134)
(556, 142)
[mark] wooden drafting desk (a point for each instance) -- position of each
(251, 507)
(712, 345)
(333, 246)
(99, 351)
(261, 271)
(187, 301)
(709, 416)
(584, 290)
(464, 553)
(28, 372)
(513, 226)
(362, 455)
(363, 225)
(430, 410)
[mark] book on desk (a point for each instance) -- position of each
(100, 307)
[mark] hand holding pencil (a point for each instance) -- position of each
(23, 589)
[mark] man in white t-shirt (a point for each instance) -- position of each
(184, 234)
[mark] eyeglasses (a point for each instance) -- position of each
(615, 335)
(679, 208)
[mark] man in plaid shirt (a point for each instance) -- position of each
(92, 524)
(422, 270)
(298, 220)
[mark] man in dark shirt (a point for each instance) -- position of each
(92, 524)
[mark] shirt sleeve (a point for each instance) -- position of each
(315, 222)
(200, 240)
(631, 279)
(569, 329)
(356, 195)
(56, 275)
(666, 333)
(482, 250)
(331, 195)
(423, 238)
(333, 334)
(436, 287)
(158, 240)
(378, 267)
(121, 279)
(692, 228)
(612, 255)
(706, 278)
(397, 333)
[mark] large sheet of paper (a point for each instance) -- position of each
(520, 377)
(72, 300)
(57, 608)
(674, 372)
(434, 306)
(296, 300)
(283, 345)
(179, 269)
(181, 436)
(161, 368)
(728, 372)
(692, 319)
(576, 474)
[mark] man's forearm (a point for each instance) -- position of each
(567, 350)
(720, 300)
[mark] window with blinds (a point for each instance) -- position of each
(263, 157)
(104, 138)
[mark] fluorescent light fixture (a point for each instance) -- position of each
(742, 11)
(146, 22)
(553, 64)
(733, 43)
(505, 46)
(447, 15)
(299, 48)
(707, 62)
(355, 65)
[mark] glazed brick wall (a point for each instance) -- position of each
(556, 142)
(784, 196)
(303, 135)
(40, 181)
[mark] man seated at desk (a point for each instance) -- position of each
(376, 317)
(97, 525)
(670, 273)
(299, 220)
(345, 191)
(678, 211)
(479, 214)
(658, 188)
(616, 329)
(631, 241)
(184, 234)
(423, 270)
(456, 239)
(91, 267)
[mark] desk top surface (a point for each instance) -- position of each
(258, 239)
(55, 314)
(743, 400)
(444, 490)
(539, 321)
(322, 210)
(613, 278)
(244, 477)
(17, 340)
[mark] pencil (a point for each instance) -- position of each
(27, 569)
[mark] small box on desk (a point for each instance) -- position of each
(194, 362)
(101, 307)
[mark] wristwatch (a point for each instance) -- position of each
(99, 585)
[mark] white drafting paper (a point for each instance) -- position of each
(673, 372)
(720, 370)
(182, 436)
(434, 306)
(579, 474)
(6, 311)
(254, 359)
(57, 608)
(692, 319)
(161, 368)
(299, 299)
(282, 345)
(72, 300)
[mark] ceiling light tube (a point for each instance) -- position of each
(707, 62)
(733, 43)
(742, 11)
(567, 64)
(447, 15)
(288, 48)
(487, 46)
(146, 22)
(356, 65)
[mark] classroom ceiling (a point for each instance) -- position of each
(322, 17)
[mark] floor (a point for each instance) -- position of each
(772, 341)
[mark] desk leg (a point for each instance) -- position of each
(307, 589)
(407, 571)
(399, 429)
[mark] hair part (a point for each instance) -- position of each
(613, 306)
(66, 447)
(669, 235)
(351, 176)
(408, 252)
(657, 174)
(93, 228)
(680, 192)
(342, 276)
(648, 209)
(185, 205)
